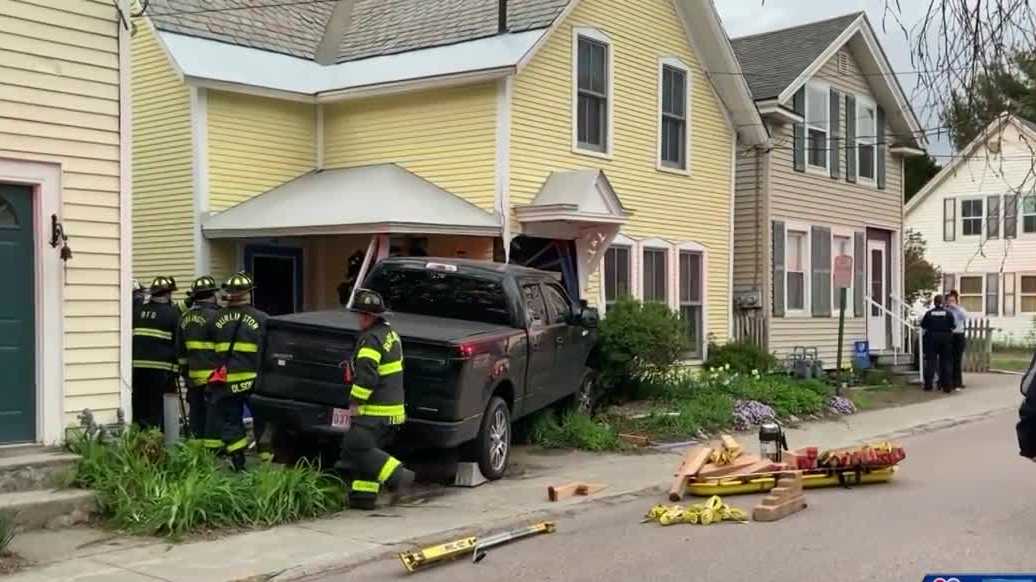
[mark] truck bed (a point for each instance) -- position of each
(408, 325)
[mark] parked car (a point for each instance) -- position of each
(485, 344)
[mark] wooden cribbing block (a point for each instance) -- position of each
(739, 465)
(692, 462)
(783, 500)
(557, 492)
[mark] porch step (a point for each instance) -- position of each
(35, 469)
(886, 359)
(19, 450)
(48, 509)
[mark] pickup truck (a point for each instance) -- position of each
(485, 344)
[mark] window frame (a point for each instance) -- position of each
(981, 218)
(825, 88)
(850, 312)
(698, 351)
(1021, 295)
(807, 265)
(529, 303)
(553, 317)
(982, 296)
(657, 246)
(660, 164)
(631, 275)
(594, 35)
(1022, 213)
(864, 102)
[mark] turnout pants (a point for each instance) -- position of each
(224, 423)
(938, 358)
(198, 409)
(148, 387)
(960, 343)
(369, 466)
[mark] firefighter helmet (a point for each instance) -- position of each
(137, 287)
(368, 301)
(162, 284)
(204, 286)
(238, 284)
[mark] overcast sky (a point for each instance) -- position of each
(744, 17)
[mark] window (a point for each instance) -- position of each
(558, 303)
(443, 294)
(1028, 293)
(949, 219)
(971, 217)
(841, 245)
(797, 252)
(616, 275)
(536, 310)
(971, 293)
(818, 109)
(866, 139)
(1010, 295)
(674, 118)
(592, 101)
(1029, 214)
(691, 273)
(655, 275)
(7, 217)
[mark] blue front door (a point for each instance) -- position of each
(17, 316)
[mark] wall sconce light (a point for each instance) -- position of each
(58, 237)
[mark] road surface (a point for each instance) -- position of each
(964, 500)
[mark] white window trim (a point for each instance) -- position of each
(662, 245)
(695, 247)
(849, 233)
(599, 36)
(960, 217)
(1022, 214)
(630, 245)
(807, 265)
(960, 286)
(864, 102)
(824, 170)
(659, 164)
(1018, 293)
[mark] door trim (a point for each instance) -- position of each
(883, 246)
(45, 180)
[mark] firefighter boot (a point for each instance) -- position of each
(401, 484)
(237, 460)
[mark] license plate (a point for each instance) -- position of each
(340, 418)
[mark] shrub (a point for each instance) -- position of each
(574, 430)
(741, 357)
(637, 340)
(7, 530)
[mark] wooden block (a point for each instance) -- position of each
(773, 501)
(766, 513)
(729, 443)
(738, 466)
(558, 492)
(692, 462)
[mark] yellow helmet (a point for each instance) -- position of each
(162, 284)
(238, 283)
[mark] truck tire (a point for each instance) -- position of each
(585, 398)
(491, 449)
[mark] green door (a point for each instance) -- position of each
(17, 320)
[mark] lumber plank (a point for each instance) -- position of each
(559, 492)
(737, 466)
(693, 461)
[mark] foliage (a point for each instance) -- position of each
(145, 488)
(7, 530)
(922, 277)
(918, 171)
(1002, 87)
(638, 340)
(740, 357)
(574, 430)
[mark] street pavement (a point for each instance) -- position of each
(963, 501)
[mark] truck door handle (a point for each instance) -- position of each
(559, 340)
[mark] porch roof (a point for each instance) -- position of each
(381, 199)
(575, 196)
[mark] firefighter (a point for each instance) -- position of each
(376, 403)
(196, 351)
(236, 332)
(154, 353)
(938, 326)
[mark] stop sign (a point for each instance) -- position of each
(843, 273)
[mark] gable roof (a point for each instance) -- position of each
(773, 60)
(1004, 119)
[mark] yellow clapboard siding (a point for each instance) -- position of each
(15, 75)
(163, 162)
(92, 371)
(446, 136)
(77, 276)
(93, 9)
(66, 17)
(91, 308)
(97, 400)
(92, 340)
(91, 355)
(92, 213)
(665, 205)
(96, 261)
(47, 48)
(57, 116)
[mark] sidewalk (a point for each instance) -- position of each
(299, 550)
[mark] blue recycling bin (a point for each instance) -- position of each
(861, 355)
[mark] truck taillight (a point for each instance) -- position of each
(471, 349)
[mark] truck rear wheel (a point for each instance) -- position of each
(491, 449)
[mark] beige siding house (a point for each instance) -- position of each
(828, 184)
(64, 152)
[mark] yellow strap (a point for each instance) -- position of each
(155, 333)
(360, 393)
(388, 468)
(239, 347)
(366, 486)
(390, 368)
(237, 445)
(369, 353)
(199, 345)
(152, 365)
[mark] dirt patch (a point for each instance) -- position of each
(890, 396)
(11, 563)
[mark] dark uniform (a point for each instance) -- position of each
(154, 354)
(377, 394)
(1026, 427)
(197, 355)
(236, 332)
(938, 346)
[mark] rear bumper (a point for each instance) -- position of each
(316, 419)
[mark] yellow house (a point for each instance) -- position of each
(64, 215)
(302, 142)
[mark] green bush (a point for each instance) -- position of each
(7, 530)
(147, 489)
(573, 430)
(740, 357)
(638, 340)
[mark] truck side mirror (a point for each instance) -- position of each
(589, 317)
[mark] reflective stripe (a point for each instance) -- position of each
(239, 347)
(199, 345)
(388, 468)
(182, 361)
(237, 445)
(395, 413)
(369, 353)
(360, 393)
(390, 368)
(202, 375)
(152, 365)
(155, 333)
(366, 486)
(240, 377)
(212, 443)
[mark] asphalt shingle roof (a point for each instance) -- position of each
(773, 60)
(377, 27)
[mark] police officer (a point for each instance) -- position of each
(376, 399)
(154, 353)
(196, 352)
(938, 326)
(236, 332)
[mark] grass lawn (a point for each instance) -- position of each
(1013, 360)
(890, 395)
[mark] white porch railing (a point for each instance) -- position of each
(912, 330)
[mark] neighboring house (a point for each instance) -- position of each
(978, 216)
(64, 166)
(829, 184)
(293, 141)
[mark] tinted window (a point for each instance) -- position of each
(440, 294)
(534, 307)
(560, 307)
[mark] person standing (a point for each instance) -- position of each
(196, 352)
(154, 353)
(959, 342)
(1026, 427)
(937, 326)
(236, 332)
(377, 406)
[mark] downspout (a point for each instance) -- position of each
(501, 14)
